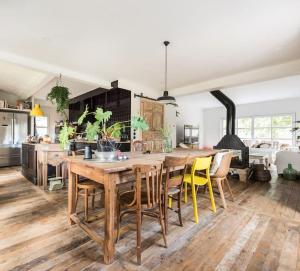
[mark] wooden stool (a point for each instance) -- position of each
(87, 188)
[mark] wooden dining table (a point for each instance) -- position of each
(112, 174)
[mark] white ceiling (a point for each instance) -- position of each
(100, 41)
(283, 88)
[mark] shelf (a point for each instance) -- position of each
(15, 110)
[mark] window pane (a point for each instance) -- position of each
(41, 131)
(262, 133)
(41, 121)
(283, 133)
(244, 123)
(244, 133)
(282, 121)
(262, 122)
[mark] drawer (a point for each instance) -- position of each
(56, 155)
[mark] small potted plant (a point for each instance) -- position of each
(104, 134)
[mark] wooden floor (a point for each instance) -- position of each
(259, 231)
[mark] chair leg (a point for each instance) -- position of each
(221, 193)
(185, 192)
(211, 195)
(179, 208)
(229, 189)
(138, 238)
(162, 224)
(76, 198)
(93, 198)
(195, 203)
(86, 204)
(166, 215)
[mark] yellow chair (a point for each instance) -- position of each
(202, 164)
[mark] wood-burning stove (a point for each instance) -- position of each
(231, 140)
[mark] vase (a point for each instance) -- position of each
(289, 173)
(106, 150)
(167, 145)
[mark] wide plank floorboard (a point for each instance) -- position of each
(260, 230)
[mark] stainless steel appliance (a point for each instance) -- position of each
(13, 131)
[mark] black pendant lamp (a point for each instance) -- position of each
(166, 98)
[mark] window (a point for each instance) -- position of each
(243, 127)
(41, 126)
(264, 128)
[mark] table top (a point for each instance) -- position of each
(139, 158)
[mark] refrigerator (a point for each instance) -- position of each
(13, 131)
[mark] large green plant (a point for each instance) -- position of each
(59, 95)
(100, 128)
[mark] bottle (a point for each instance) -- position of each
(289, 173)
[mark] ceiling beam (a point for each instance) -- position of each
(253, 76)
(52, 70)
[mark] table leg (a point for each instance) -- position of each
(45, 176)
(110, 202)
(71, 195)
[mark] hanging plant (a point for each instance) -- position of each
(59, 95)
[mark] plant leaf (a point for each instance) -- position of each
(92, 130)
(139, 123)
(100, 115)
(83, 116)
(64, 134)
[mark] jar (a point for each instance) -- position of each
(289, 173)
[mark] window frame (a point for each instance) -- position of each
(35, 126)
(253, 117)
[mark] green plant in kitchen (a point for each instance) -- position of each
(59, 95)
(167, 140)
(64, 135)
(100, 129)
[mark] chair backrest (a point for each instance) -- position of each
(152, 176)
(172, 162)
(224, 167)
(138, 146)
(202, 163)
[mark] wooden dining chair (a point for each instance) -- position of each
(220, 177)
(138, 146)
(144, 199)
(174, 185)
(86, 188)
(194, 179)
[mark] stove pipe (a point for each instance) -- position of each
(230, 107)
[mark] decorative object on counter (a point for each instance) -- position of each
(167, 140)
(88, 153)
(99, 130)
(59, 95)
(289, 173)
(37, 111)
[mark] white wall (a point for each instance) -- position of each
(9, 97)
(212, 117)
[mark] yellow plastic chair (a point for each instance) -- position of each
(202, 164)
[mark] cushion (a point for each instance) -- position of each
(216, 162)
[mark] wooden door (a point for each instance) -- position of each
(153, 112)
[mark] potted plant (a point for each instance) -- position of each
(99, 130)
(167, 140)
(59, 95)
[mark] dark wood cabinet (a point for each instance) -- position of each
(29, 162)
(117, 100)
